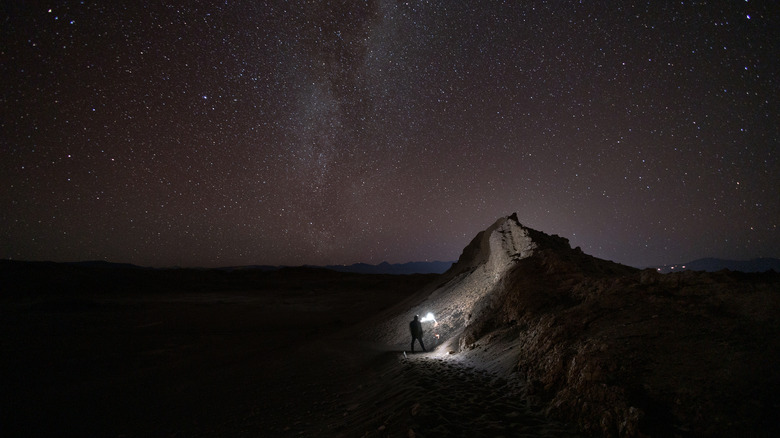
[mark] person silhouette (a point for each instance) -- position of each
(417, 332)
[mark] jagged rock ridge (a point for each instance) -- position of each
(465, 297)
(476, 275)
(621, 352)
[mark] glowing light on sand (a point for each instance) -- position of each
(428, 317)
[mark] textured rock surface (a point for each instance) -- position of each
(455, 299)
(619, 351)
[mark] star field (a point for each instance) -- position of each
(325, 132)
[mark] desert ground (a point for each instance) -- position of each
(124, 353)
(530, 338)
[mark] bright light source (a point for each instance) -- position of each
(428, 317)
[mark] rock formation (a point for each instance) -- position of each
(619, 351)
(477, 275)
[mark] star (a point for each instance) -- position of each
(342, 132)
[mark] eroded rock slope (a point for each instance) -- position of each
(619, 351)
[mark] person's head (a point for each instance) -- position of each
(416, 317)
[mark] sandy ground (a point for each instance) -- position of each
(365, 390)
(285, 362)
(432, 395)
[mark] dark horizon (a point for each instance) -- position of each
(260, 265)
(703, 264)
(202, 134)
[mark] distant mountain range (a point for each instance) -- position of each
(713, 265)
(103, 264)
(396, 268)
(435, 267)
(438, 267)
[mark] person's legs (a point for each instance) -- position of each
(420, 341)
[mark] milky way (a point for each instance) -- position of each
(306, 132)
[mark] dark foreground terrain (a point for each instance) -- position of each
(106, 351)
(129, 352)
(537, 340)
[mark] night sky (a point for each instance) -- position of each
(312, 132)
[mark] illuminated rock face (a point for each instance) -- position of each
(619, 351)
(479, 273)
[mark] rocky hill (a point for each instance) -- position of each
(617, 350)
